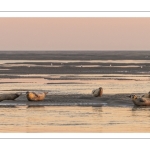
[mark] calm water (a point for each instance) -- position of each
(77, 84)
(75, 119)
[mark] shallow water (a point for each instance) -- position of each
(77, 84)
(67, 61)
(74, 119)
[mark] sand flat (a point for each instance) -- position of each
(69, 105)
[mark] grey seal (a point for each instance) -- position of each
(9, 96)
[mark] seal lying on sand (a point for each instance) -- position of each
(97, 92)
(9, 96)
(140, 101)
(32, 96)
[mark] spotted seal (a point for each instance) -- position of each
(140, 101)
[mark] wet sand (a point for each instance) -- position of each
(81, 62)
(117, 100)
(70, 77)
(110, 100)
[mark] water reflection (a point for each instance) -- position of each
(35, 107)
(141, 108)
(141, 112)
(75, 119)
(97, 109)
(8, 106)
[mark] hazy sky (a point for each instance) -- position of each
(74, 33)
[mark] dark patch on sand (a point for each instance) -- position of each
(117, 100)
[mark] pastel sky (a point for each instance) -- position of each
(74, 33)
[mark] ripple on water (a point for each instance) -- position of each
(75, 119)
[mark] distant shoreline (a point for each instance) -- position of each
(74, 50)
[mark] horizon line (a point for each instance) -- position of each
(72, 50)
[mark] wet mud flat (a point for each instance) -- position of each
(69, 62)
(109, 100)
(70, 77)
(75, 73)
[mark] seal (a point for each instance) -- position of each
(9, 96)
(147, 95)
(32, 96)
(140, 101)
(97, 92)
